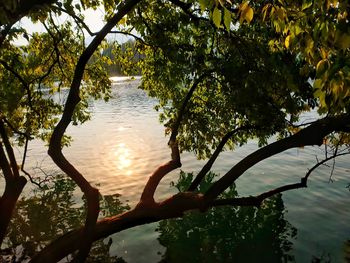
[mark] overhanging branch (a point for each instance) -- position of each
(312, 135)
(206, 168)
(73, 99)
(147, 197)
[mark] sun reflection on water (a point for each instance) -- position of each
(123, 158)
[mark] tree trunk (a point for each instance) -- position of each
(8, 202)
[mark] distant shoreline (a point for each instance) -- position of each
(115, 79)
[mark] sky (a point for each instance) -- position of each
(93, 18)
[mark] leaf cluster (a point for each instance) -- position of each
(241, 82)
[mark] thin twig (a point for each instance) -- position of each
(175, 127)
(312, 135)
(322, 162)
(206, 168)
(257, 200)
(19, 77)
(147, 197)
(78, 20)
(130, 34)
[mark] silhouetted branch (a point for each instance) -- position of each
(257, 200)
(24, 153)
(311, 135)
(173, 207)
(9, 149)
(24, 83)
(31, 178)
(78, 20)
(147, 197)
(27, 138)
(9, 124)
(4, 33)
(206, 168)
(5, 167)
(175, 127)
(130, 34)
(55, 150)
(19, 77)
(186, 8)
(319, 163)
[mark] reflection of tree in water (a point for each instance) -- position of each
(347, 251)
(228, 234)
(52, 211)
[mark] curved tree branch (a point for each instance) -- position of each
(147, 197)
(4, 33)
(19, 77)
(206, 168)
(257, 200)
(22, 8)
(178, 204)
(312, 135)
(128, 33)
(73, 99)
(9, 150)
(14, 182)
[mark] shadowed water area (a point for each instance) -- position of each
(122, 145)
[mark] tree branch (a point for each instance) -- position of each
(22, 8)
(78, 20)
(24, 83)
(73, 99)
(175, 127)
(4, 33)
(323, 162)
(132, 35)
(206, 168)
(312, 135)
(27, 138)
(5, 167)
(172, 207)
(9, 150)
(147, 197)
(257, 200)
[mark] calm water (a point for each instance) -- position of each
(124, 142)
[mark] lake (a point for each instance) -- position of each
(122, 145)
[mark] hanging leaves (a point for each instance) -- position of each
(246, 13)
(216, 17)
(227, 19)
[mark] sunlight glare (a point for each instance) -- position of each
(123, 158)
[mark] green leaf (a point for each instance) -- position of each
(217, 17)
(320, 95)
(318, 84)
(306, 4)
(321, 67)
(204, 4)
(227, 19)
(342, 40)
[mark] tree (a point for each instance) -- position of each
(224, 73)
